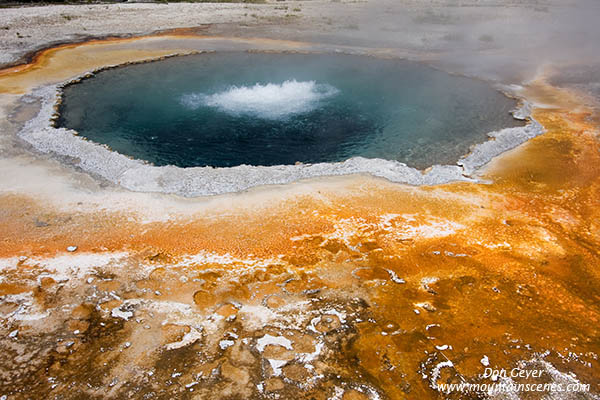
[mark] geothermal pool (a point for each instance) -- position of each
(263, 109)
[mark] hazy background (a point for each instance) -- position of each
(507, 41)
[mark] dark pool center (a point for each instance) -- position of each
(228, 109)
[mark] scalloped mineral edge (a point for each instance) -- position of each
(137, 175)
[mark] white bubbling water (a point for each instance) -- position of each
(270, 101)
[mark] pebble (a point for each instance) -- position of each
(223, 344)
(13, 334)
(71, 249)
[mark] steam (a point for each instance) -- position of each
(507, 41)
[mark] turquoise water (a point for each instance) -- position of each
(228, 109)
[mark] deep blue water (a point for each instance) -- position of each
(227, 109)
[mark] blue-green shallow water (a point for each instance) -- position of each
(227, 109)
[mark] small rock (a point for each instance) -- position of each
(13, 334)
(118, 313)
(427, 306)
(71, 249)
(223, 344)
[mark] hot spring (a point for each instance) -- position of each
(262, 109)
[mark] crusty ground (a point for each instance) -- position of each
(348, 287)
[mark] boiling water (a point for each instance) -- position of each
(227, 109)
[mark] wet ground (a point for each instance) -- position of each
(363, 294)
(335, 288)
